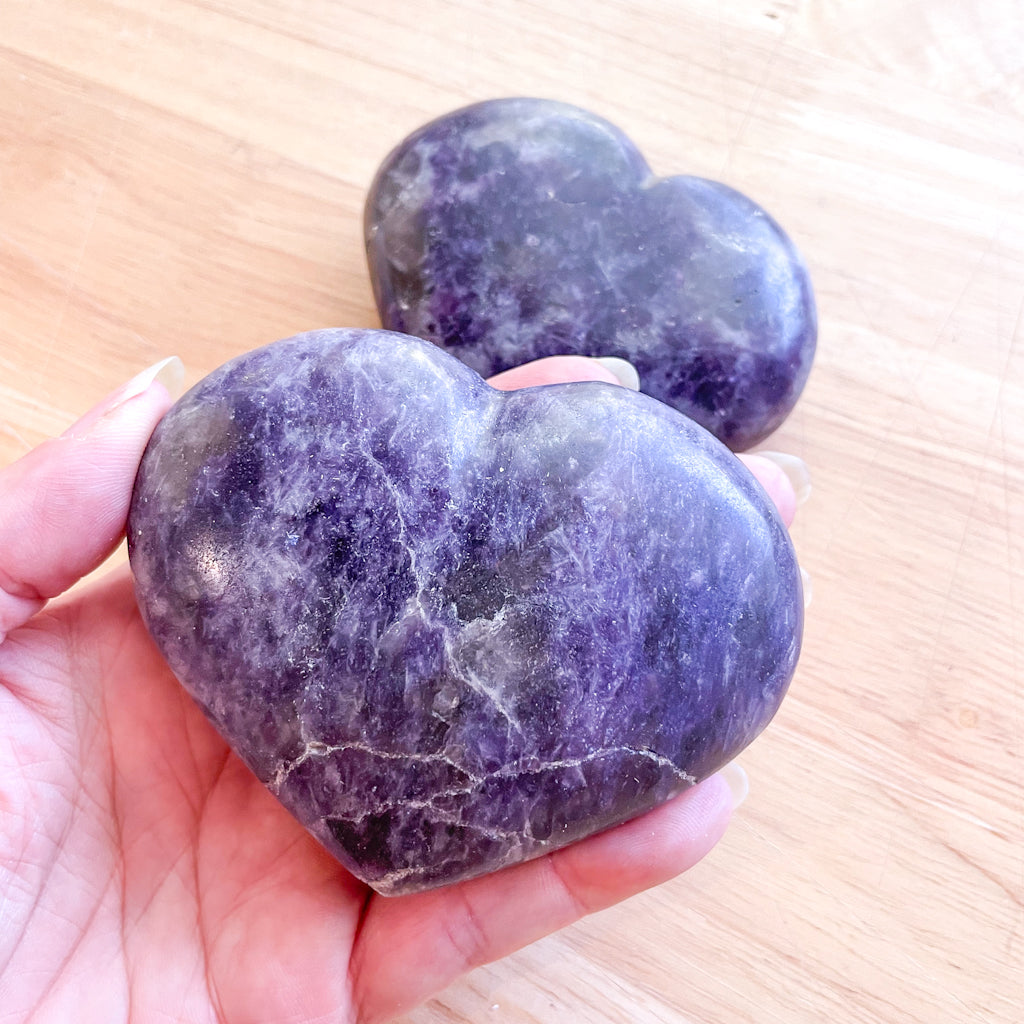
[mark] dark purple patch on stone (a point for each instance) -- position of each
(521, 228)
(452, 628)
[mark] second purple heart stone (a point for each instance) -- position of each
(521, 228)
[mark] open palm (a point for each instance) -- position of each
(145, 874)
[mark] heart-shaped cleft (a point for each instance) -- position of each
(449, 627)
(521, 228)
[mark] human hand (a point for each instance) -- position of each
(145, 873)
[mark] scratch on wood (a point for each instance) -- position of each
(762, 82)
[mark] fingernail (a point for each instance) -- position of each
(623, 369)
(736, 779)
(795, 469)
(170, 372)
(805, 576)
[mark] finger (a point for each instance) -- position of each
(410, 947)
(566, 369)
(784, 477)
(63, 505)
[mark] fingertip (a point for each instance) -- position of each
(163, 380)
(796, 471)
(735, 777)
(622, 369)
(773, 478)
(562, 370)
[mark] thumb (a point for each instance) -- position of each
(63, 505)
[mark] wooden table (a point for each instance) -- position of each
(187, 176)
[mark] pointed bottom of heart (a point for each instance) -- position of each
(502, 818)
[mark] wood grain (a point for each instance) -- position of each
(188, 176)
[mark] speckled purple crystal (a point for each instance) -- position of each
(520, 228)
(450, 627)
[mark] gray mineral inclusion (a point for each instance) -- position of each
(452, 628)
(521, 228)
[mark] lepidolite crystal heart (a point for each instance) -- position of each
(450, 627)
(521, 228)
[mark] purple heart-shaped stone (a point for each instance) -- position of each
(521, 228)
(449, 627)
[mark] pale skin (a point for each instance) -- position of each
(146, 875)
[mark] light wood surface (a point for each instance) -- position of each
(187, 176)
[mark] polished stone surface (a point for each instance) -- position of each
(520, 228)
(450, 627)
